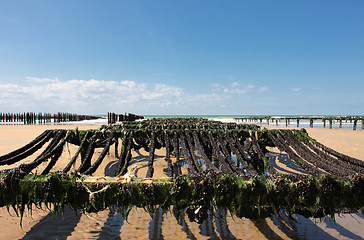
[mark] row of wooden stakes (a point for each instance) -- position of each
(298, 120)
(42, 118)
(114, 117)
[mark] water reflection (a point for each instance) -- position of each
(219, 225)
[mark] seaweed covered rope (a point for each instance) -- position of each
(193, 194)
(225, 166)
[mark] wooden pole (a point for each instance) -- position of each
(354, 126)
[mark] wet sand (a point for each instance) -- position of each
(110, 225)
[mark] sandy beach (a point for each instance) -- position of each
(110, 225)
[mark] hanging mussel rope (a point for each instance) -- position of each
(168, 154)
(177, 164)
(150, 171)
(226, 163)
(126, 155)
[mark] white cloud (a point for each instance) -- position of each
(263, 89)
(216, 87)
(40, 80)
(250, 86)
(296, 89)
(235, 84)
(234, 88)
(99, 96)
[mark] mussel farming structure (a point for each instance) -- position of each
(42, 118)
(114, 117)
(354, 120)
(210, 166)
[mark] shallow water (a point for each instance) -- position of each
(109, 224)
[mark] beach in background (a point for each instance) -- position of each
(40, 224)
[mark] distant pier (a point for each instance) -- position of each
(296, 120)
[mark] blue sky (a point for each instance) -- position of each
(182, 57)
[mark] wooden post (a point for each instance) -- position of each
(324, 120)
(340, 123)
(330, 121)
(362, 124)
(311, 122)
(298, 122)
(354, 126)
